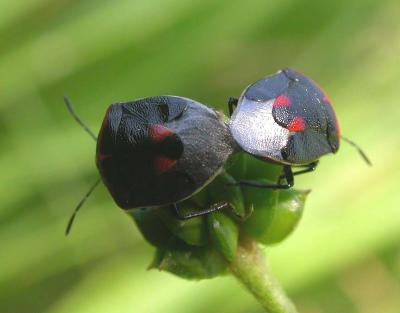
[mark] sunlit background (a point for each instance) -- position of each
(345, 254)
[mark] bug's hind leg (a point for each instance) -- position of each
(288, 175)
(307, 168)
(212, 208)
(232, 104)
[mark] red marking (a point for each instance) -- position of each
(282, 101)
(102, 157)
(163, 164)
(297, 125)
(326, 99)
(158, 133)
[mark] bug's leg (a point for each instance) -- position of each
(232, 102)
(215, 207)
(288, 175)
(307, 168)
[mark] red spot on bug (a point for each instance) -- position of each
(297, 125)
(158, 133)
(102, 157)
(163, 164)
(326, 99)
(282, 101)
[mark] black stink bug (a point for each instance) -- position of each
(286, 119)
(159, 150)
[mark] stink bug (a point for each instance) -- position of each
(158, 151)
(286, 119)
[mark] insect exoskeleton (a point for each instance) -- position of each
(160, 150)
(287, 119)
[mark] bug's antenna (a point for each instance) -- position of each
(360, 151)
(71, 110)
(71, 219)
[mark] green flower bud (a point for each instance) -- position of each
(224, 234)
(246, 167)
(151, 226)
(288, 212)
(222, 189)
(276, 213)
(202, 247)
(189, 262)
(192, 231)
(263, 202)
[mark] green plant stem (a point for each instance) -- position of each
(250, 268)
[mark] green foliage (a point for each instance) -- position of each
(189, 262)
(188, 248)
(100, 52)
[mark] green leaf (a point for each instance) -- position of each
(224, 234)
(188, 261)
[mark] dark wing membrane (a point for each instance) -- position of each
(303, 104)
(207, 144)
(305, 147)
(308, 104)
(315, 92)
(155, 110)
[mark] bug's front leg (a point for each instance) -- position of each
(212, 208)
(307, 168)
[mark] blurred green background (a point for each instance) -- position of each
(345, 254)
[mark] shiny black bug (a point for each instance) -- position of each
(285, 119)
(158, 151)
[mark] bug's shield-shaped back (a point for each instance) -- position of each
(160, 150)
(285, 118)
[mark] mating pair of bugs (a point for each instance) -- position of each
(161, 150)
